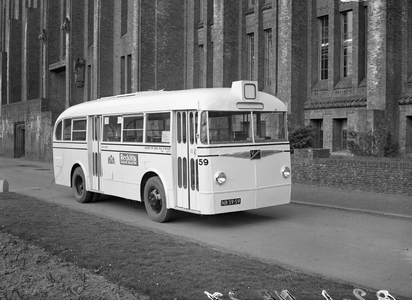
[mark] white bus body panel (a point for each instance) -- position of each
(257, 183)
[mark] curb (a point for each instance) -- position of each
(372, 212)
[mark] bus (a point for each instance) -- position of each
(204, 151)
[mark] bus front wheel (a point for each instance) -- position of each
(79, 187)
(155, 200)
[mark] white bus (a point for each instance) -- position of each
(205, 151)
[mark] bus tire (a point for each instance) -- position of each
(79, 187)
(155, 200)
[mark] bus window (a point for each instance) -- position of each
(269, 126)
(58, 132)
(203, 128)
(158, 128)
(133, 129)
(79, 130)
(67, 132)
(229, 127)
(111, 128)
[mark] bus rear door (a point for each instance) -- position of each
(187, 178)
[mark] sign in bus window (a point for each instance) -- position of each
(158, 128)
(79, 130)
(269, 126)
(112, 128)
(133, 129)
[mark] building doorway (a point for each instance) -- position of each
(317, 141)
(340, 135)
(19, 140)
(408, 138)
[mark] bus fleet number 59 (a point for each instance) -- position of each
(203, 162)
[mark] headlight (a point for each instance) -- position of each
(220, 177)
(285, 172)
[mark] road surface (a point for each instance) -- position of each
(367, 250)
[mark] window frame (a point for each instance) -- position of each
(346, 43)
(323, 47)
(77, 131)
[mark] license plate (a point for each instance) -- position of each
(228, 202)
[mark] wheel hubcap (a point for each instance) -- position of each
(155, 200)
(79, 186)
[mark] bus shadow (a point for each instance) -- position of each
(234, 219)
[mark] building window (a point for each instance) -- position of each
(346, 43)
(251, 3)
(324, 47)
(90, 23)
(318, 133)
(366, 28)
(89, 83)
(251, 55)
(124, 16)
(268, 57)
(126, 74)
(201, 66)
(201, 10)
(408, 137)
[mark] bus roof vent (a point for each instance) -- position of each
(247, 90)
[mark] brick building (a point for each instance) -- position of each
(338, 64)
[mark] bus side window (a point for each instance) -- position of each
(203, 128)
(158, 128)
(67, 131)
(111, 128)
(58, 132)
(133, 129)
(79, 130)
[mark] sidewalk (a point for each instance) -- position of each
(385, 204)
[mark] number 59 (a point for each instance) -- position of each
(203, 162)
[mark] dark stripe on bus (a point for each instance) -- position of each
(138, 152)
(240, 146)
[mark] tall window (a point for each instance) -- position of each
(268, 57)
(251, 55)
(201, 66)
(252, 3)
(346, 43)
(90, 22)
(126, 74)
(124, 17)
(324, 47)
(201, 10)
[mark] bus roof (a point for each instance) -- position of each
(194, 99)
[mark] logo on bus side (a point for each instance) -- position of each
(129, 159)
(254, 154)
(111, 160)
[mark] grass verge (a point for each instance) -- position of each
(151, 263)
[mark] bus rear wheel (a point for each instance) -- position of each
(79, 187)
(155, 200)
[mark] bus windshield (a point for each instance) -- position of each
(222, 127)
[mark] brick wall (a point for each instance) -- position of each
(372, 175)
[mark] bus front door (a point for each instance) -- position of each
(187, 179)
(94, 153)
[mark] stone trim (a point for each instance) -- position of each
(405, 100)
(335, 103)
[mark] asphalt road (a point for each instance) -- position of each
(368, 250)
